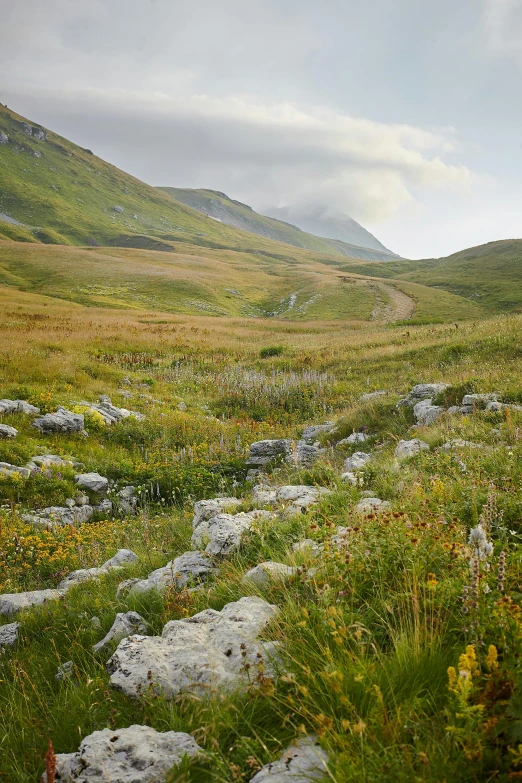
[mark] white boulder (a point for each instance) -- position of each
(122, 558)
(124, 625)
(200, 654)
(426, 413)
(264, 573)
(7, 432)
(92, 482)
(179, 572)
(12, 603)
(372, 506)
(222, 534)
(18, 406)
(357, 461)
(300, 763)
(410, 448)
(8, 635)
(300, 497)
(63, 421)
(206, 509)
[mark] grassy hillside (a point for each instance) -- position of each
(192, 279)
(233, 213)
(396, 648)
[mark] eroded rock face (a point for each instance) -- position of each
(92, 482)
(264, 495)
(312, 433)
(201, 654)
(357, 461)
(479, 400)
(188, 567)
(8, 635)
(410, 448)
(264, 573)
(12, 603)
(422, 391)
(61, 421)
(206, 509)
(222, 534)
(263, 451)
(137, 754)
(302, 453)
(125, 624)
(59, 515)
(110, 413)
(300, 763)
(426, 413)
(18, 406)
(122, 558)
(7, 432)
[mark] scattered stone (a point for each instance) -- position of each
(61, 421)
(82, 499)
(179, 572)
(463, 410)
(300, 497)
(59, 515)
(312, 433)
(372, 506)
(138, 754)
(118, 209)
(409, 448)
(6, 469)
(199, 654)
(70, 503)
(12, 603)
(110, 413)
(300, 763)
(301, 453)
(479, 400)
(264, 495)
(223, 533)
(307, 546)
(264, 573)
(7, 432)
(206, 509)
(18, 406)
(373, 395)
(182, 406)
(264, 451)
(125, 624)
(65, 671)
(96, 622)
(496, 407)
(127, 500)
(426, 413)
(92, 482)
(458, 443)
(104, 506)
(357, 461)
(351, 478)
(422, 391)
(8, 635)
(122, 559)
(355, 437)
(126, 586)
(48, 461)
(4, 138)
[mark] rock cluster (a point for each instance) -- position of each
(18, 406)
(63, 421)
(110, 413)
(183, 570)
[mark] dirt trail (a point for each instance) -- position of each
(390, 303)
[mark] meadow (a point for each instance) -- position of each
(400, 650)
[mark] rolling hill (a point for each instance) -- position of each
(222, 208)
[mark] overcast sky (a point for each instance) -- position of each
(405, 114)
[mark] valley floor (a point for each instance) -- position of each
(390, 631)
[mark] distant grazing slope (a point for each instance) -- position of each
(55, 192)
(222, 208)
(329, 223)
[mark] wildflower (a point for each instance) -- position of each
(492, 658)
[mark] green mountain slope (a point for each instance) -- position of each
(221, 208)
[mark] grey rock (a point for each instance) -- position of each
(118, 209)
(39, 133)
(458, 443)
(372, 506)
(200, 654)
(104, 506)
(48, 461)
(6, 469)
(18, 406)
(82, 499)
(460, 409)
(8, 635)
(92, 482)
(308, 547)
(370, 396)
(138, 754)
(182, 406)
(264, 495)
(179, 572)
(222, 533)
(206, 509)
(70, 503)
(426, 413)
(7, 432)
(124, 625)
(302, 454)
(479, 400)
(36, 154)
(355, 437)
(422, 391)
(300, 763)
(126, 586)
(4, 138)
(127, 500)
(351, 478)
(300, 497)
(59, 515)
(96, 622)
(312, 433)
(409, 448)
(110, 413)
(61, 421)
(357, 461)
(12, 603)
(265, 573)
(263, 451)
(122, 559)
(65, 671)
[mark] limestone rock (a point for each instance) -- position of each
(127, 500)
(355, 437)
(4, 138)
(372, 506)
(12, 603)
(104, 506)
(300, 763)
(357, 461)
(179, 572)
(182, 406)
(65, 671)
(312, 433)
(110, 413)
(61, 421)
(302, 454)
(206, 509)
(307, 547)
(124, 625)
(138, 754)
(223, 533)
(426, 413)
(300, 497)
(422, 391)
(6, 469)
(479, 400)
(92, 482)
(59, 515)
(18, 406)
(7, 432)
(48, 461)
(458, 443)
(122, 559)
(264, 495)
(118, 209)
(199, 654)
(264, 573)
(263, 451)
(351, 478)
(409, 448)
(8, 635)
